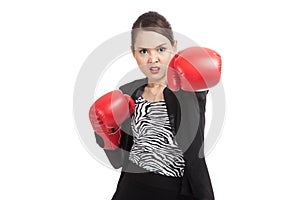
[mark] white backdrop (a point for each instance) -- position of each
(44, 44)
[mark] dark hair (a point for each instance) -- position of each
(152, 21)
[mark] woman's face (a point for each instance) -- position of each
(152, 52)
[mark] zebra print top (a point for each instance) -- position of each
(154, 147)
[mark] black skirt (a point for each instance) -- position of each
(148, 186)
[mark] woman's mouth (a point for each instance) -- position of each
(154, 69)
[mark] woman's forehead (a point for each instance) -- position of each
(150, 39)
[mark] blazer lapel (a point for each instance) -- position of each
(173, 109)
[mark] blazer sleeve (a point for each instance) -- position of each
(117, 156)
(201, 97)
(114, 156)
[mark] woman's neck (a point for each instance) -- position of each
(154, 91)
(157, 83)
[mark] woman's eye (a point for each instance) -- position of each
(143, 51)
(161, 49)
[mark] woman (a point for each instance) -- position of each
(160, 145)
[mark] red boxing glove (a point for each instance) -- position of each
(107, 114)
(194, 68)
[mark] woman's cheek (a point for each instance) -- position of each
(143, 62)
(143, 69)
(166, 59)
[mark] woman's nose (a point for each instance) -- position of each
(153, 58)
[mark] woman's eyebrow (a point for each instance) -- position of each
(152, 48)
(161, 45)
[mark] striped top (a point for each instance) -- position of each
(154, 147)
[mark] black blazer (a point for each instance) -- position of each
(186, 111)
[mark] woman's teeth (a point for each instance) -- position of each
(154, 68)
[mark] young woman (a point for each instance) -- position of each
(153, 128)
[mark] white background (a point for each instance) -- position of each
(43, 45)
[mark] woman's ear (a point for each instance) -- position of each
(175, 46)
